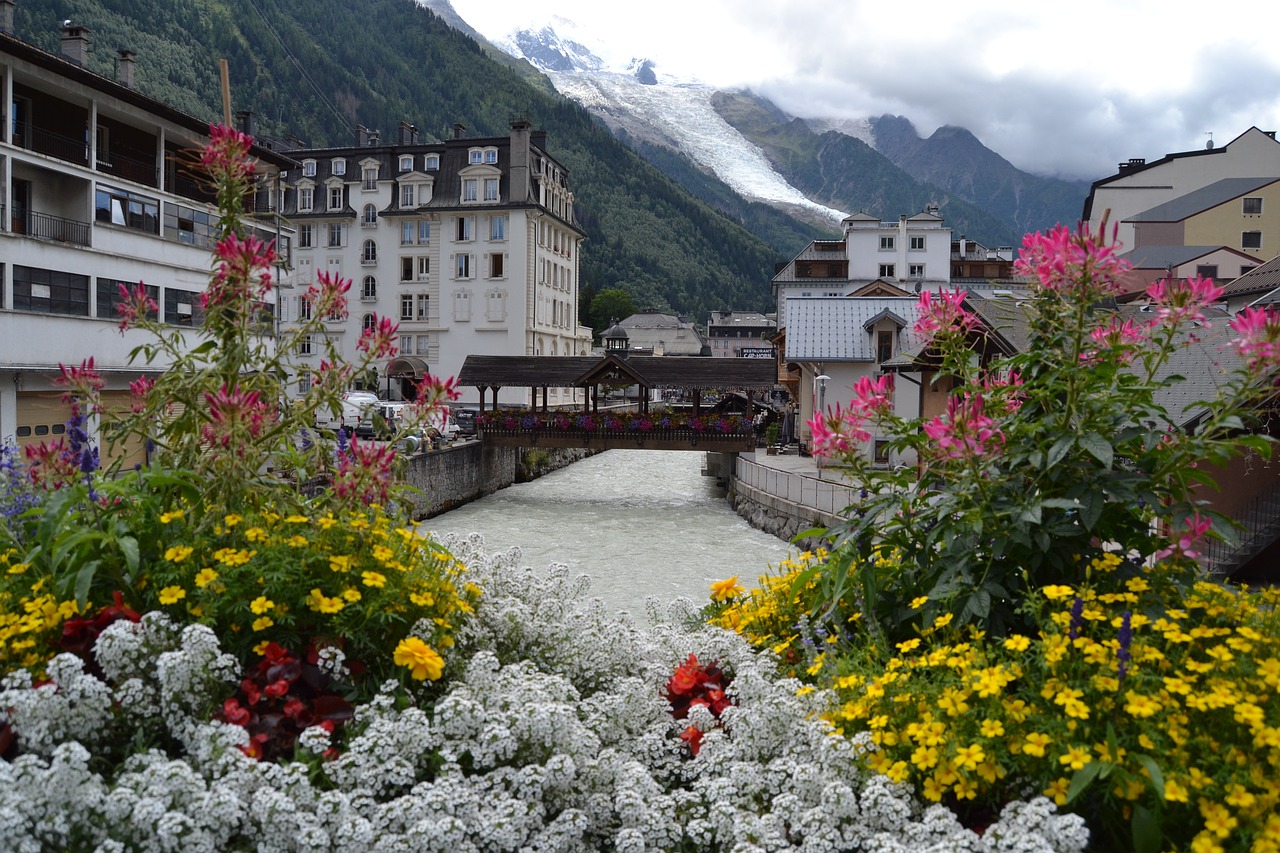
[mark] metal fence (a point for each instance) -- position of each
(822, 496)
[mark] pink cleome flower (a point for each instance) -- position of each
(379, 340)
(842, 430)
(966, 431)
(1259, 338)
(1073, 263)
(1181, 301)
(1197, 527)
(943, 313)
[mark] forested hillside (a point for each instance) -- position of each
(316, 68)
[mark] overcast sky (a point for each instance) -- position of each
(1067, 89)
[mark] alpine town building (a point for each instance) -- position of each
(97, 190)
(469, 244)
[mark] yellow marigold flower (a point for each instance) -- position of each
(172, 594)
(339, 562)
(232, 520)
(1174, 792)
(422, 661)
(1035, 743)
(1054, 592)
(326, 521)
(373, 579)
(262, 623)
(351, 594)
(321, 603)
(205, 576)
(19, 568)
(805, 691)
(991, 728)
(261, 605)
(256, 534)
(968, 757)
(297, 519)
(943, 621)
(909, 645)
(422, 599)
(1057, 790)
(261, 648)
(173, 515)
(1139, 705)
(726, 589)
(1017, 643)
(933, 790)
(917, 603)
(924, 757)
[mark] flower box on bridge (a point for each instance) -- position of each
(616, 431)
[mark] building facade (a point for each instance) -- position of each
(740, 334)
(469, 244)
(97, 189)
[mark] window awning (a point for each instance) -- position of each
(406, 367)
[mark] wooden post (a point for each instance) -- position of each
(226, 92)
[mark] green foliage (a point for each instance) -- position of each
(609, 306)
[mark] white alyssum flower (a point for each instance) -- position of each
(555, 736)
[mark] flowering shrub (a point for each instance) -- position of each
(555, 735)
(511, 419)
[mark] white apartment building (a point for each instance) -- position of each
(469, 244)
(96, 190)
(911, 255)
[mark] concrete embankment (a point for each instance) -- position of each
(463, 472)
(785, 502)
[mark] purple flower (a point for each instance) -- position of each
(1077, 618)
(1125, 639)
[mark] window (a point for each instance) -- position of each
(1251, 240)
(433, 162)
(304, 383)
(369, 322)
(475, 156)
(304, 345)
(370, 217)
(424, 232)
(881, 451)
(304, 308)
(335, 198)
(335, 234)
(1252, 206)
(406, 163)
(190, 226)
(497, 227)
(915, 270)
(469, 187)
(491, 155)
(1207, 270)
(1247, 268)
(424, 268)
(109, 297)
(887, 271)
(496, 306)
(305, 200)
(309, 168)
(406, 269)
(181, 307)
(464, 266)
(490, 189)
(461, 306)
(50, 291)
(424, 307)
(306, 235)
(339, 167)
(424, 344)
(130, 210)
(917, 244)
(369, 252)
(496, 265)
(369, 174)
(884, 346)
(406, 306)
(464, 227)
(886, 243)
(369, 289)
(406, 195)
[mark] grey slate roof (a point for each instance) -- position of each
(1260, 279)
(649, 329)
(1202, 199)
(832, 328)
(1160, 257)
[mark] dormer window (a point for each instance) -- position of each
(491, 155)
(335, 198)
(475, 156)
(305, 199)
(369, 175)
(339, 167)
(433, 162)
(406, 195)
(309, 168)
(406, 163)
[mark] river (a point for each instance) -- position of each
(639, 522)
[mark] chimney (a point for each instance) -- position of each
(126, 62)
(408, 134)
(521, 188)
(6, 16)
(362, 136)
(75, 43)
(459, 130)
(374, 136)
(244, 122)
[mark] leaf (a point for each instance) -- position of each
(1092, 503)
(1082, 778)
(1098, 447)
(129, 548)
(1146, 830)
(1060, 449)
(1153, 769)
(84, 580)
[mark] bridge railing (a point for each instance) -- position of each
(617, 430)
(821, 496)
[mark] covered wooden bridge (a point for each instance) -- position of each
(589, 426)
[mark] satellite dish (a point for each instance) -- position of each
(1208, 146)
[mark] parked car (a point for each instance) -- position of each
(351, 409)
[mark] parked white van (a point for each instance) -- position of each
(351, 410)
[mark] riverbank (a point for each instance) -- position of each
(787, 494)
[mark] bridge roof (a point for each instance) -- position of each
(536, 371)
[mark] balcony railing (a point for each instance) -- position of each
(53, 144)
(129, 168)
(44, 226)
(1259, 521)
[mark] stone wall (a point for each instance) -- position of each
(461, 473)
(782, 504)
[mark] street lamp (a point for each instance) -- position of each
(821, 381)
